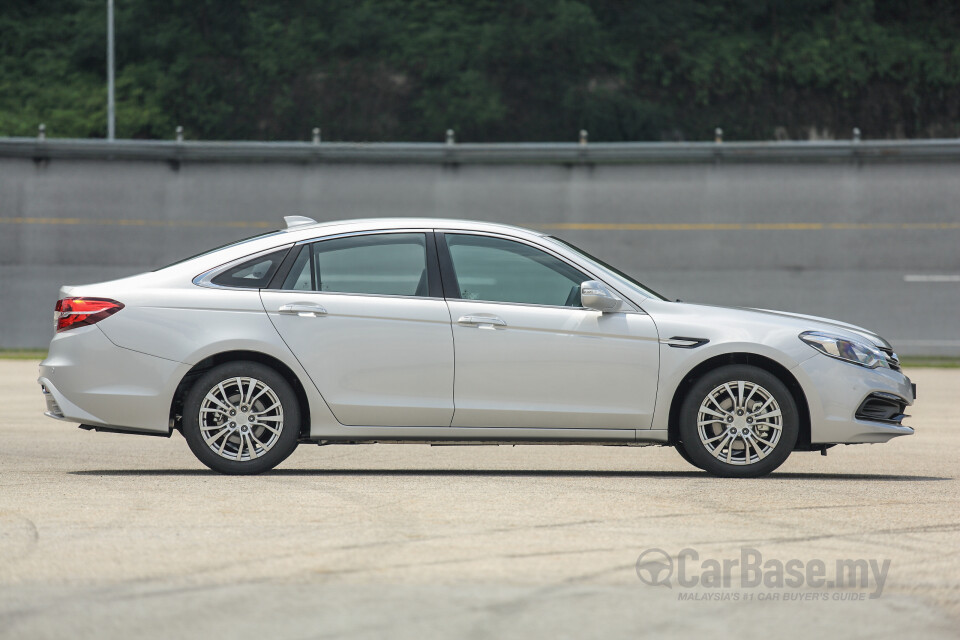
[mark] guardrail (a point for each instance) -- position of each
(42, 148)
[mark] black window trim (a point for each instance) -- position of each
(205, 279)
(281, 273)
(433, 268)
(451, 287)
(443, 283)
(449, 275)
(229, 245)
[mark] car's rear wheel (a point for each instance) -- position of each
(739, 421)
(241, 418)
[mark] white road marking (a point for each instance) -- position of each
(949, 277)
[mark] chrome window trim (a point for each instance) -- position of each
(345, 293)
(365, 232)
(350, 234)
(204, 279)
(639, 312)
(550, 251)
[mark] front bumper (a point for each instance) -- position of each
(837, 390)
(88, 379)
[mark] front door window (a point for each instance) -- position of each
(496, 270)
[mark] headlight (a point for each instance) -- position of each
(866, 355)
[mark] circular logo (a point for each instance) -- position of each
(654, 567)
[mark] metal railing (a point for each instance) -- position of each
(450, 152)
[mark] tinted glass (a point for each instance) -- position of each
(253, 274)
(300, 276)
(501, 270)
(597, 261)
(223, 246)
(380, 264)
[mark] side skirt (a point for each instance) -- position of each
(490, 436)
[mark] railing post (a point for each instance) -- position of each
(584, 136)
(718, 135)
(316, 135)
(42, 132)
(450, 137)
(856, 134)
(179, 133)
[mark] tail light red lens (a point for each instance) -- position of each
(83, 312)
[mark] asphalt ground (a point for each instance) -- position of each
(116, 536)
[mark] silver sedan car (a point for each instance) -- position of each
(445, 331)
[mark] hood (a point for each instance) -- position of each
(799, 321)
(866, 333)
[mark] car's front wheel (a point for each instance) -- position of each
(739, 421)
(241, 418)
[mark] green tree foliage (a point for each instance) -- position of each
(535, 70)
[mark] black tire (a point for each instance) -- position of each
(745, 442)
(683, 454)
(246, 440)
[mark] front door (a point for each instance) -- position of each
(364, 315)
(527, 353)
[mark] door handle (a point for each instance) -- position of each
(476, 321)
(303, 309)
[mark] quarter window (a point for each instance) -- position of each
(253, 274)
(376, 264)
(498, 270)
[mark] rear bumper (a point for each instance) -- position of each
(835, 392)
(88, 379)
(53, 400)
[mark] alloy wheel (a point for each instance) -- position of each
(241, 418)
(739, 422)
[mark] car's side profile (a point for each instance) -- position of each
(444, 331)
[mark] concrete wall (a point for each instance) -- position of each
(856, 241)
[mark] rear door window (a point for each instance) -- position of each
(374, 264)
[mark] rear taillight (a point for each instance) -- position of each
(82, 312)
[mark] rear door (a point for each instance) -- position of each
(365, 316)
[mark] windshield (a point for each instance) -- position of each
(650, 293)
(223, 246)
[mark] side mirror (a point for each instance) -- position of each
(594, 295)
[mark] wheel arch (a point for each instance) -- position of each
(204, 365)
(759, 361)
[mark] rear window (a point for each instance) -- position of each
(252, 274)
(223, 246)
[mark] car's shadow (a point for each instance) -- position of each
(523, 473)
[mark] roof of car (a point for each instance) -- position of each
(419, 223)
(307, 232)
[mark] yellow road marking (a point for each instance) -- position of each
(747, 226)
(138, 223)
